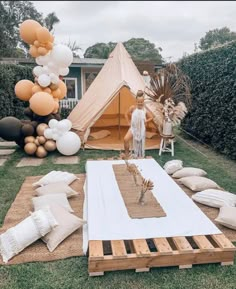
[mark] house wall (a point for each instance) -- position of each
(75, 72)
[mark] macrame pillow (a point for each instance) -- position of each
(56, 188)
(67, 224)
(189, 171)
(51, 199)
(227, 217)
(197, 184)
(17, 238)
(55, 177)
(173, 166)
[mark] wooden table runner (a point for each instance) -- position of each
(131, 193)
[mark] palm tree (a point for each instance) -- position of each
(50, 20)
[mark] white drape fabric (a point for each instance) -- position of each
(107, 216)
(138, 131)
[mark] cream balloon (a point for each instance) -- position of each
(68, 144)
(44, 80)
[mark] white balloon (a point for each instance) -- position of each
(53, 123)
(39, 60)
(68, 144)
(44, 80)
(64, 125)
(54, 78)
(64, 71)
(45, 59)
(62, 55)
(55, 136)
(48, 133)
(45, 69)
(38, 70)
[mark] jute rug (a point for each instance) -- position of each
(19, 210)
(211, 213)
(131, 193)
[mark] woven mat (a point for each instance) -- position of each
(19, 210)
(131, 193)
(211, 213)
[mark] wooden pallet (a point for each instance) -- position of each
(143, 254)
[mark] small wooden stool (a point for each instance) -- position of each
(165, 140)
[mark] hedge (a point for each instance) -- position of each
(212, 117)
(10, 74)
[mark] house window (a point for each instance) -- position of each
(89, 78)
(72, 89)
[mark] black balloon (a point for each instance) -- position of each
(27, 130)
(10, 128)
(34, 123)
(28, 112)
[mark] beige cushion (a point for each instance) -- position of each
(99, 134)
(56, 188)
(67, 224)
(55, 177)
(215, 198)
(32, 228)
(173, 166)
(51, 199)
(227, 217)
(189, 171)
(197, 184)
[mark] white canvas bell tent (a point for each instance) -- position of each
(104, 104)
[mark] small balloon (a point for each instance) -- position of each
(44, 80)
(27, 130)
(41, 128)
(50, 145)
(53, 123)
(48, 133)
(41, 152)
(29, 139)
(42, 139)
(30, 148)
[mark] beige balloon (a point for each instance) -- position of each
(36, 142)
(50, 145)
(41, 139)
(41, 128)
(29, 139)
(41, 152)
(30, 148)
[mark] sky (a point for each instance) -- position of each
(175, 26)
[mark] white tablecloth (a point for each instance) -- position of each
(107, 216)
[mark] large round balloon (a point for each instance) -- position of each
(42, 103)
(62, 55)
(23, 89)
(68, 144)
(10, 128)
(28, 31)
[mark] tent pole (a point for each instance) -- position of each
(119, 115)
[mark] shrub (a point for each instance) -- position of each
(212, 118)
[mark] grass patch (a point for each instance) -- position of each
(72, 273)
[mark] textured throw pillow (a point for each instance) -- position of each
(17, 238)
(56, 188)
(55, 177)
(173, 166)
(197, 184)
(189, 171)
(227, 217)
(67, 224)
(51, 199)
(99, 134)
(215, 198)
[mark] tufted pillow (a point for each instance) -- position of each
(215, 198)
(173, 166)
(17, 238)
(56, 188)
(189, 171)
(197, 184)
(67, 224)
(227, 217)
(55, 177)
(51, 199)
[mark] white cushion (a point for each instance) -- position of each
(55, 177)
(51, 199)
(215, 198)
(189, 171)
(17, 238)
(173, 166)
(67, 224)
(56, 188)
(227, 217)
(197, 184)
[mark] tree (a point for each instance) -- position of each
(216, 37)
(138, 48)
(12, 14)
(50, 20)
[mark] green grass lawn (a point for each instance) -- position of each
(73, 273)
